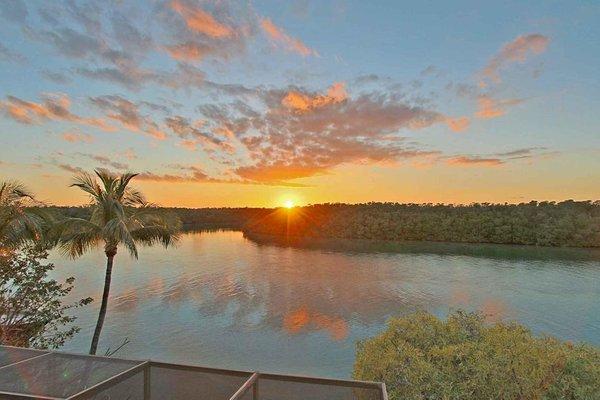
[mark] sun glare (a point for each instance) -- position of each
(289, 204)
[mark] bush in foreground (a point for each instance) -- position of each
(423, 357)
(32, 311)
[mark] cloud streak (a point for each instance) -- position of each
(53, 107)
(474, 161)
(200, 21)
(77, 137)
(128, 115)
(516, 51)
(488, 107)
(280, 37)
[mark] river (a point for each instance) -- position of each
(220, 299)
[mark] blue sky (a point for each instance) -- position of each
(251, 103)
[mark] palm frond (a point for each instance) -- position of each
(116, 231)
(122, 187)
(157, 234)
(109, 180)
(88, 184)
(12, 191)
(134, 198)
(120, 216)
(18, 223)
(78, 243)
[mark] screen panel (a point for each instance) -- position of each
(11, 355)
(60, 375)
(185, 384)
(131, 388)
(276, 389)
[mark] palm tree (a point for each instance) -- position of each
(119, 216)
(19, 224)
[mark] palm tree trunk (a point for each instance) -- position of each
(109, 265)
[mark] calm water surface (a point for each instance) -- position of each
(222, 300)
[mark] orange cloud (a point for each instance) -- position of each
(127, 113)
(54, 107)
(469, 161)
(189, 144)
(278, 172)
(301, 134)
(488, 107)
(189, 51)
(301, 102)
(516, 51)
(194, 135)
(277, 34)
(459, 124)
(200, 21)
(76, 137)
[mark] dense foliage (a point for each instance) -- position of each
(422, 357)
(223, 218)
(18, 222)
(31, 309)
(191, 218)
(568, 223)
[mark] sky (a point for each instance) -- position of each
(234, 103)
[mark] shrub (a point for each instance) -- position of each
(32, 312)
(423, 357)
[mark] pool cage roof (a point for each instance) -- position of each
(39, 374)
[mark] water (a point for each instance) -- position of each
(221, 300)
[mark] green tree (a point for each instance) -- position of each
(119, 215)
(19, 224)
(422, 357)
(31, 309)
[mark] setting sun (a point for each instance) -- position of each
(289, 204)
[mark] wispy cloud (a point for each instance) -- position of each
(195, 133)
(472, 161)
(301, 102)
(105, 161)
(516, 51)
(128, 115)
(488, 107)
(77, 137)
(9, 55)
(189, 51)
(279, 36)
(54, 107)
(459, 124)
(497, 159)
(201, 21)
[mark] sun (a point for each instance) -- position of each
(288, 204)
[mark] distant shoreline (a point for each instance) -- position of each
(487, 250)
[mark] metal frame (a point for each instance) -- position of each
(144, 366)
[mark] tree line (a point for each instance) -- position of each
(568, 223)
(191, 218)
(545, 223)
